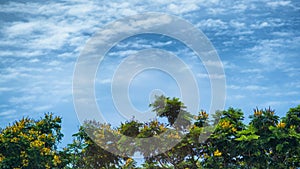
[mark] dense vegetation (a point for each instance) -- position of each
(268, 141)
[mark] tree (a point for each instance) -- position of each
(32, 143)
(220, 150)
(267, 141)
(172, 109)
(85, 153)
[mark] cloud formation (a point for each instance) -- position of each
(257, 41)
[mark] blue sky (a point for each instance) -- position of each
(257, 41)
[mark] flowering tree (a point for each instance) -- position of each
(32, 144)
(85, 153)
(267, 141)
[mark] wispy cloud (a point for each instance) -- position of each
(247, 87)
(257, 41)
(279, 3)
(210, 76)
(212, 24)
(268, 53)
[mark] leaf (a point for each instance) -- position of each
(279, 147)
(242, 138)
(250, 130)
(247, 138)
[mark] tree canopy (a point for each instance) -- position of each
(267, 141)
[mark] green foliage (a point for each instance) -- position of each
(85, 153)
(173, 109)
(268, 141)
(32, 144)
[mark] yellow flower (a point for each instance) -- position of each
(204, 114)
(23, 154)
(25, 162)
(37, 143)
(20, 124)
(155, 123)
(1, 158)
(15, 129)
(257, 112)
(43, 136)
(281, 125)
(162, 128)
(14, 140)
(40, 123)
(242, 163)
(27, 137)
(49, 135)
(32, 132)
(217, 153)
(128, 161)
(56, 160)
(225, 124)
(45, 151)
(233, 129)
(47, 166)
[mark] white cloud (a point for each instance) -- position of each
(275, 4)
(135, 43)
(212, 23)
(235, 97)
(42, 108)
(7, 113)
(103, 81)
(239, 96)
(260, 25)
(210, 76)
(283, 34)
(211, 63)
(270, 22)
(254, 87)
(6, 89)
(22, 28)
(161, 44)
(54, 63)
(292, 71)
(182, 8)
(293, 85)
(123, 53)
(270, 53)
(247, 87)
(280, 94)
(142, 43)
(237, 24)
(229, 65)
(253, 70)
(240, 7)
(22, 99)
(216, 11)
(26, 53)
(280, 103)
(35, 60)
